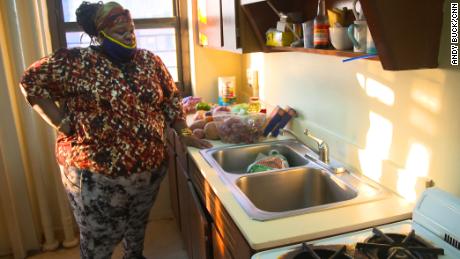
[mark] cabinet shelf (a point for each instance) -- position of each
(406, 33)
(330, 52)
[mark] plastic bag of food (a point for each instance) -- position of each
(189, 104)
(273, 161)
(240, 129)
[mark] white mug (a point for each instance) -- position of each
(358, 35)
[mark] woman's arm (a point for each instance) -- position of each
(187, 138)
(51, 113)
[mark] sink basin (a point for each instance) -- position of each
(308, 185)
(236, 159)
(294, 189)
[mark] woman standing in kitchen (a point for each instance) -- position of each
(110, 103)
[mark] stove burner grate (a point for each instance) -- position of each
(308, 251)
(396, 246)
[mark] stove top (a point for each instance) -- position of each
(425, 237)
(396, 245)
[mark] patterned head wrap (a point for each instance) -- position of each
(110, 15)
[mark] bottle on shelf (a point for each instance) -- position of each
(321, 27)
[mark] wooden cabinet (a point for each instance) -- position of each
(172, 173)
(406, 33)
(209, 23)
(183, 194)
(193, 220)
(207, 229)
(228, 241)
(221, 26)
(195, 224)
(220, 250)
(200, 227)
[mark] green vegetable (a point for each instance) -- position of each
(203, 106)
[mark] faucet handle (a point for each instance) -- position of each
(323, 148)
(317, 140)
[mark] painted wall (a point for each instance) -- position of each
(399, 128)
(209, 65)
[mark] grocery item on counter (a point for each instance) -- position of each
(199, 124)
(199, 115)
(199, 133)
(227, 86)
(221, 109)
(189, 104)
(254, 104)
(274, 160)
(273, 119)
(210, 130)
(203, 106)
(284, 120)
(240, 128)
(241, 108)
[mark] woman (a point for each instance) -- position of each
(113, 103)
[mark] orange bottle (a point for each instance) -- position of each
(321, 27)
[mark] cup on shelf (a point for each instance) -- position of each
(307, 28)
(357, 32)
(339, 38)
(370, 45)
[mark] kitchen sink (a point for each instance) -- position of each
(308, 185)
(236, 159)
(294, 189)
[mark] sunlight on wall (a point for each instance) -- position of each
(417, 165)
(256, 62)
(378, 143)
(376, 89)
(422, 121)
(427, 100)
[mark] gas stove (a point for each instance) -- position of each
(433, 232)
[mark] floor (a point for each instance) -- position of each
(162, 241)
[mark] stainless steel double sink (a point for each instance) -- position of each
(308, 185)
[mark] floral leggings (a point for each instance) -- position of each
(111, 210)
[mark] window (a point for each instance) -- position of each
(157, 29)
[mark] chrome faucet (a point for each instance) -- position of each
(323, 148)
(283, 131)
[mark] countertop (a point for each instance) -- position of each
(262, 235)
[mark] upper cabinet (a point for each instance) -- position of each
(209, 23)
(406, 32)
(221, 26)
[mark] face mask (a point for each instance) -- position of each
(116, 50)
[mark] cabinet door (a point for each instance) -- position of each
(230, 243)
(229, 24)
(184, 207)
(200, 227)
(209, 23)
(172, 173)
(220, 250)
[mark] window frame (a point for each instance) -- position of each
(178, 21)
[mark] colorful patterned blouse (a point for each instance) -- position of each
(118, 112)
